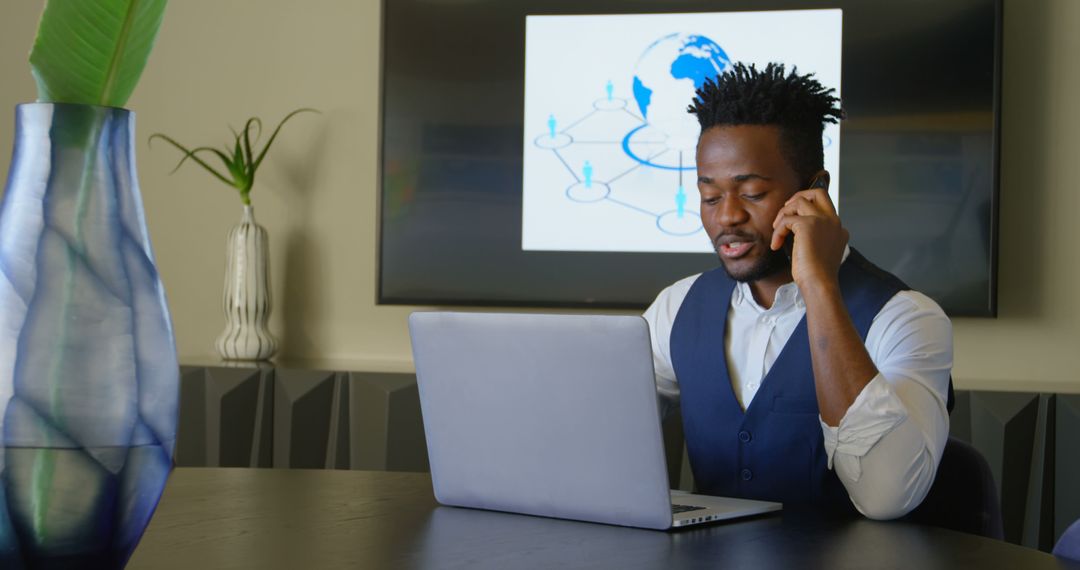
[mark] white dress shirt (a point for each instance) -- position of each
(888, 444)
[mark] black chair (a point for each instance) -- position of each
(963, 496)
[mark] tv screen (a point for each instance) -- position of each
(539, 153)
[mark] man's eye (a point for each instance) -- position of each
(710, 201)
(754, 197)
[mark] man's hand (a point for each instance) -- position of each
(842, 367)
(810, 219)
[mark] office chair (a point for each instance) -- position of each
(1068, 546)
(963, 496)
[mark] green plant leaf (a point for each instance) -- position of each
(93, 51)
(239, 158)
(270, 141)
(193, 155)
(248, 155)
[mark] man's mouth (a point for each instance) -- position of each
(735, 249)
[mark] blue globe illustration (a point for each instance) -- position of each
(666, 76)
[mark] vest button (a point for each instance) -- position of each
(747, 474)
(744, 436)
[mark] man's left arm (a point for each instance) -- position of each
(887, 446)
(884, 428)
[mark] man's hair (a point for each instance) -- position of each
(798, 104)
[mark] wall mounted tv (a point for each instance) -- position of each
(536, 152)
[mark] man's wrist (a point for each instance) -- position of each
(821, 289)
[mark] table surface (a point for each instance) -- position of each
(217, 518)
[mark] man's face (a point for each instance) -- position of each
(744, 180)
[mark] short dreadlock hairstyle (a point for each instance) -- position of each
(798, 104)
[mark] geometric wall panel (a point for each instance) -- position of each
(1010, 430)
(310, 429)
(341, 420)
(1066, 462)
(672, 428)
(1039, 516)
(226, 417)
(960, 417)
(191, 428)
(387, 428)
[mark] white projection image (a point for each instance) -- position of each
(608, 161)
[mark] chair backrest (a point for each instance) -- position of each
(963, 496)
(1068, 546)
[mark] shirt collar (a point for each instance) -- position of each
(787, 295)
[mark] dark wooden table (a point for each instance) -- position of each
(215, 518)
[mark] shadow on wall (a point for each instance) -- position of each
(1025, 141)
(299, 299)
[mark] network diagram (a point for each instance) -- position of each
(597, 178)
(609, 150)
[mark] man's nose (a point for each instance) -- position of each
(731, 212)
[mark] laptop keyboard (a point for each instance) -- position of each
(676, 509)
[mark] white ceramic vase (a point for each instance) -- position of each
(246, 299)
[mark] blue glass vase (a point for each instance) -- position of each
(88, 369)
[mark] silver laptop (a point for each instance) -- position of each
(551, 415)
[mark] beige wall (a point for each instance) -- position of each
(220, 61)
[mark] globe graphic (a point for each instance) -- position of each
(666, 77)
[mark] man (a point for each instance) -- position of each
(805, 373)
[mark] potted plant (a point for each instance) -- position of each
(246, 300)
(88, 369)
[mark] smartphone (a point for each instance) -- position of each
(789, 242)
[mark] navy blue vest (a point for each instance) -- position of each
(774, 450)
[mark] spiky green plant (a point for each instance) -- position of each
(239, 158)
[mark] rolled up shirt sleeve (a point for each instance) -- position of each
(888, 445)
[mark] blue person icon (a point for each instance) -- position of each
(551, 125)
(610, 89)
(680, 202)
(587, 171)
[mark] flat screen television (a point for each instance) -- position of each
(538, 153)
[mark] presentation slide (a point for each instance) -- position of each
(609, 147)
